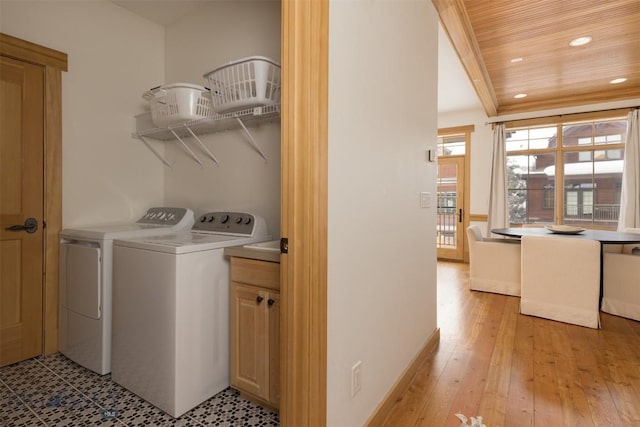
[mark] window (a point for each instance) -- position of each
(527, 187)
(578, 202)
(548, 198)
(566, 172)
(452, 145)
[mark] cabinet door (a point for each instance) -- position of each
(273, 307)
(249, 346)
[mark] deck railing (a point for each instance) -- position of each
(595, 213)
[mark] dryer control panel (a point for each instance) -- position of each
(233, 223)
(165, 216)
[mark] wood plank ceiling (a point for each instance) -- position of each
(490, 35)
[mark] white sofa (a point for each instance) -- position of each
(561, 279)
(494, 264)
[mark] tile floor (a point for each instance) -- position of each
(54, 391)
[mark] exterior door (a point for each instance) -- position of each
(450, 213)
(21, 198)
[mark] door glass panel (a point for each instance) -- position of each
(447, 205)
(450, 200)
(451, 145)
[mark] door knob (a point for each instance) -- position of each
(30, 226)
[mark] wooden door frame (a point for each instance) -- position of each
(303, 330)
(468, 217)
(54, 63)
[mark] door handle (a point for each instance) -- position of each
(460, 216)
(30, 226)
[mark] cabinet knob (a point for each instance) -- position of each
(259, 299)
(270, 302)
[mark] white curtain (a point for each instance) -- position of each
(498, 210)
(630, 197)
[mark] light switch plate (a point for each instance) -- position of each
(425, 199)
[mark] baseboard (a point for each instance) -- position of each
(384, 408)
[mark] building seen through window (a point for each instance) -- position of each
(567, 173)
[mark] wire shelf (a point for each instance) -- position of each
(144, 128)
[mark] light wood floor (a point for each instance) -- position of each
(517, 370)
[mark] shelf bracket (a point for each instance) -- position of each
(252, 141)
(153, 150)
(186, 147)
(204, 147)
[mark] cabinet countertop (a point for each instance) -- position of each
(242, 252)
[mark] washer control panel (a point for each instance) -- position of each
(236, 223)
(165, 216)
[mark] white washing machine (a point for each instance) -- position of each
(171, 310)
(86, 281)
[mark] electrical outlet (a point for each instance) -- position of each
(356, 378)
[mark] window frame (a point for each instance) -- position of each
(560, 150)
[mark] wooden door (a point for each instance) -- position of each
(451, 209)
(304, 187)
(21, 197)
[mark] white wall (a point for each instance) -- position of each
(114, 56)
(217, 33)
(381, 244)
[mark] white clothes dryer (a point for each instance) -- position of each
(86, 282)
(171, 310)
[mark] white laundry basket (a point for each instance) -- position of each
(244, 83)
(178, 103)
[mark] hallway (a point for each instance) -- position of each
(517, 370)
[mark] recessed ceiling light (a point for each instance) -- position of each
(520, 95)
(619, 80)
(580, 41)
(514, 60)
